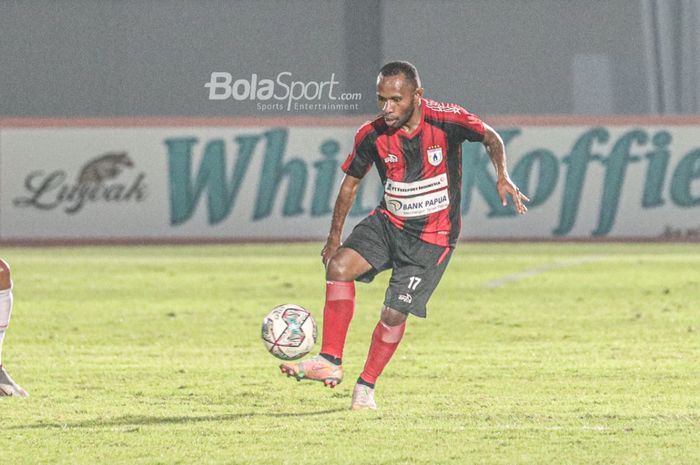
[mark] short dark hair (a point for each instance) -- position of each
(395, 68)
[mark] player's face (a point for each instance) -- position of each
(397, 99)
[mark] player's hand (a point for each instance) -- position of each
(505, 186)
(329, 249)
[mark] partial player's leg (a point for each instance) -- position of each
(385, 339)
(7, 386)
(342, 269)
(361, 257)
(417, 271)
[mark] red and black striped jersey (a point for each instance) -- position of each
(421, 171)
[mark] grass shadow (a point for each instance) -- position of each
(144, 420)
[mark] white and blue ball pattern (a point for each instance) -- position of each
(289, 332)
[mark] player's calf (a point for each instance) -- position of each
(7, 386)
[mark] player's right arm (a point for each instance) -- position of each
(343, 203)
(356, 165)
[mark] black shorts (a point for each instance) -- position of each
(416, 265)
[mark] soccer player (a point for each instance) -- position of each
(7, 386)
(415, 144)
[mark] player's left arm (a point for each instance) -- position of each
(497, 152)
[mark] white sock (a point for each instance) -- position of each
(5, 310)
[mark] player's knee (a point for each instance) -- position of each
(336, 270)
(340, 268)
(391, 317)
(5, 281)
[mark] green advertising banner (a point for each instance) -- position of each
(279, 182)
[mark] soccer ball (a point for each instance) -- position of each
(289, 332)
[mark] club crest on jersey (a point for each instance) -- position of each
(435, 155)
(391, 158)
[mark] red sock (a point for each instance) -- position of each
(385, 340)
(337, 314)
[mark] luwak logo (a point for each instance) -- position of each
(95, 182)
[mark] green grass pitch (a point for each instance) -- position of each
(531, 354)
